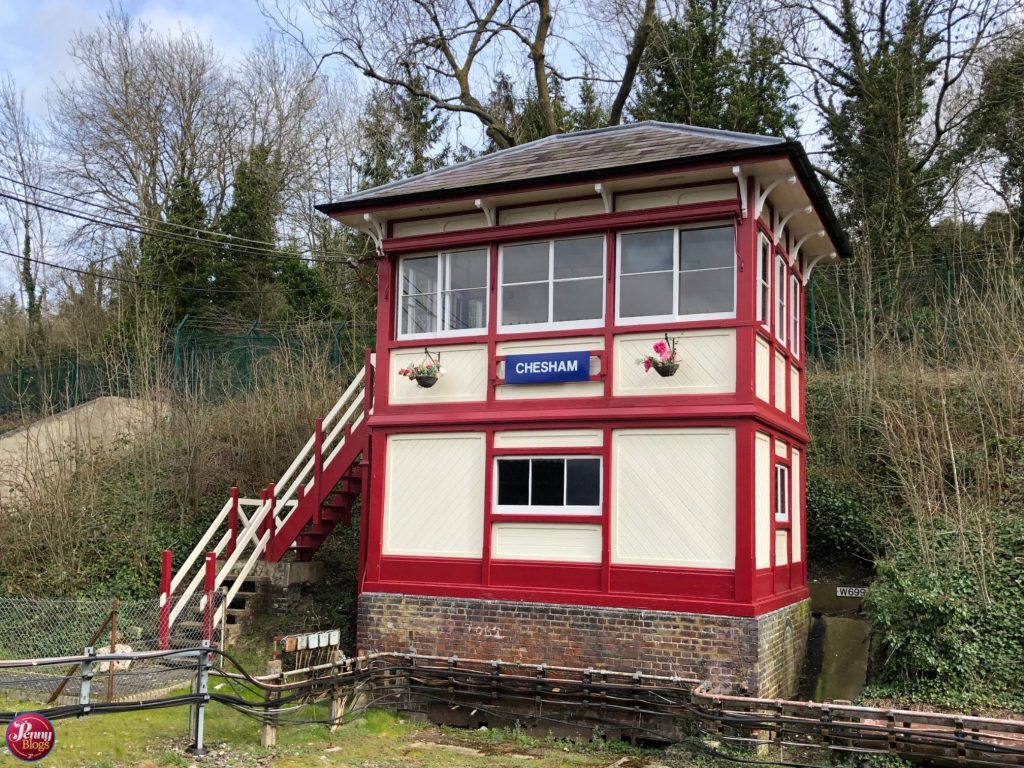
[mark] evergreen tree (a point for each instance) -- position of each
(174, 259)
(689, 74)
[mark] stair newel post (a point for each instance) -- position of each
(318, 459)
(271, 519)
(233, 521)
(209, 596)
(368, 383)
(164, 630)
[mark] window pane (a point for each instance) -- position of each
(578, 300)
(706, 292)
(646, 252)
(547, 486)
(582, 257)
(524, 263)
(466, 309)
(513, 481)
(583, 482)
(524, 304)
(704, 248)
(645, 295)
(420, 275)
(467, 269)
(419, 314)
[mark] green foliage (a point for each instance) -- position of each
(951, 633)
(690, 73)
(840, 523)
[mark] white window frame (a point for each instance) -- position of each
(782, 483)
(547, 509)
(764, 280)
(794, 315)
(442, 295)
(551, 280)
(674, 316)
(781, 303)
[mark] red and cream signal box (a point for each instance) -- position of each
(588, 434)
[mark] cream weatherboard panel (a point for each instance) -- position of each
(762, 359)
(781, 366)
(552, 211)
(465, 377)
(797, 496)
(794, 388)
(665, 197)
(434, 494)
(781, 547)
(439, 224)
(762, 501)
(546, 541)
(781, 449)
(707, 364)
(674, 497)
(570, 389)
(549, 438)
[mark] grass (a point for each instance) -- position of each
(376, 739)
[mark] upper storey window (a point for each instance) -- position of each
(677, 274)
(442, 294)
(552, 284)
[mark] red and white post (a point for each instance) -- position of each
(164, 628)
(209, 596)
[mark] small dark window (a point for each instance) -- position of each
(549, 484)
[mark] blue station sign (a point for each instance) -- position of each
(547, 368)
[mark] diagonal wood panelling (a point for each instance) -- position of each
(707, 364)
(434, 495)
(674, 497)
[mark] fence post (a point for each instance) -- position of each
(199, 708)
(337, 710)
(268, 737)
(86, 688)
(113, 648)
(176, 361)
(233, 521)
(164, 630)
(209, 596)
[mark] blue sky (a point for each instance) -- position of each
(34, 34)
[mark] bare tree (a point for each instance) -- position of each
(450, 51)
(24, 231)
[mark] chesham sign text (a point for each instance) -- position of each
(547, 368)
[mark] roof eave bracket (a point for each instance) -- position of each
(794, 252)
(780, 225)
(377, 229)
(607, 195)
(489, 209)
(809, 267)
(762, 196)
(741, 178)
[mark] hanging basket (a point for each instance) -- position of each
(666, 369)
(426, 381)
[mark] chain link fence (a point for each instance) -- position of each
(32, 629)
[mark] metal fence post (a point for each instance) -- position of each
(199, 708)
(87, 673)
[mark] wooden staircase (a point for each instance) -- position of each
(322, 485)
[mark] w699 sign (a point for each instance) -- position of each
(30, 736)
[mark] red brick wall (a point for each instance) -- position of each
(762, 655)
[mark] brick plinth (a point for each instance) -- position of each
(760, 655)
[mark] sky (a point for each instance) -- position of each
(34, 34)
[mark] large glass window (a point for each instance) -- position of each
(549, 485)
(442, 293)
(781, 493)
(677, 274)
(764, 279)
(555, 282)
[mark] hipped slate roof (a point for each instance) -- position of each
(588, 156)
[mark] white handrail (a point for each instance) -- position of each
(260, 546)
(196, 579)
(356, 381)
(358, 420)
(198, 550)
(325, 446)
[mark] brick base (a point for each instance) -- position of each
(760, 655)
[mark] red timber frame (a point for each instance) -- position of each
(743, 591)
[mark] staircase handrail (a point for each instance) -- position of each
(357, 380)
(200, 548)
(260, 547)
